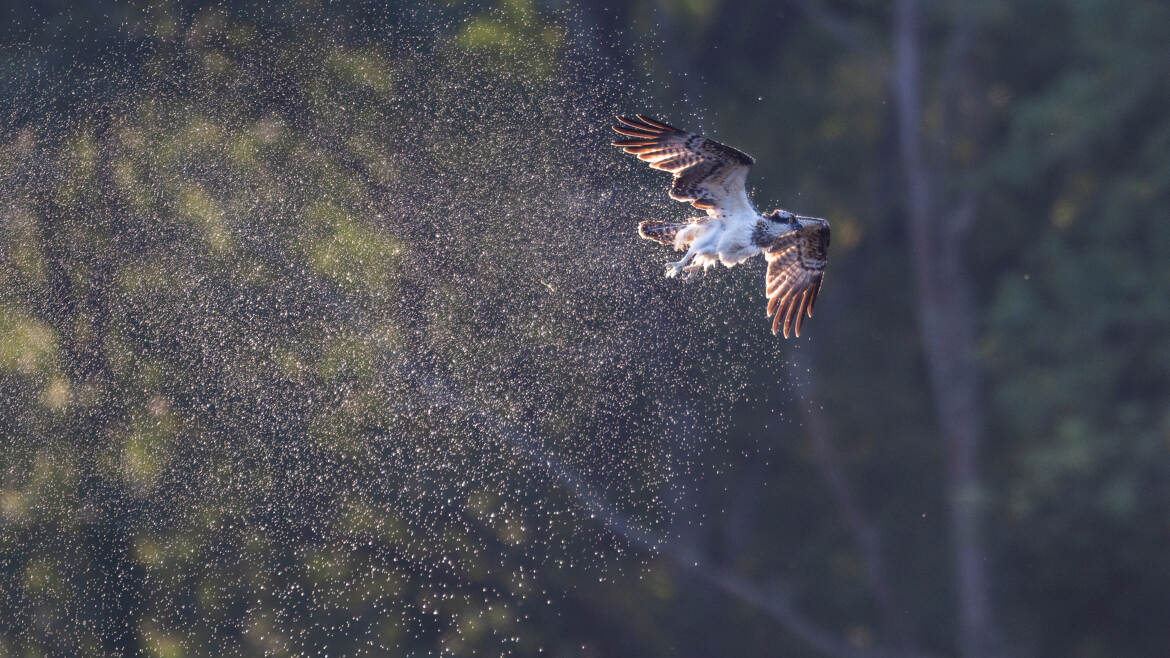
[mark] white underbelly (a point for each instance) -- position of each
(736, 245)
(728, 241)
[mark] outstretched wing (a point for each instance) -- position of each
(707, 174)
(796, 266)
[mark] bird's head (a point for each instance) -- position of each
(780, 216)
(811, 221)
(784, 217)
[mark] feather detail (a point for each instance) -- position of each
(796, 267)
(708, 175)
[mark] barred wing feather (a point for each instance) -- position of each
(708, 175)
(796, 267)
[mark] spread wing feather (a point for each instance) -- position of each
(796, 267)
(707, 174)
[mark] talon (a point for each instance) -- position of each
(691, 271)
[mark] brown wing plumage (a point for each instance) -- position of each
(796, 267)
(707, 174)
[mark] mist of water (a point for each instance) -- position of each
(343, 329)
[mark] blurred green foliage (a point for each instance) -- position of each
(257, 377)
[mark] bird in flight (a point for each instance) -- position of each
(711, 176)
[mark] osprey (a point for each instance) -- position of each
(710, 176)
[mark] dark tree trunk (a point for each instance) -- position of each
(947, 324)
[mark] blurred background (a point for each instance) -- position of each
(325, 329)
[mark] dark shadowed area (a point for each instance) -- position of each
(325, 329)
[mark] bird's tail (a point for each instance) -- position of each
(658, 231)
